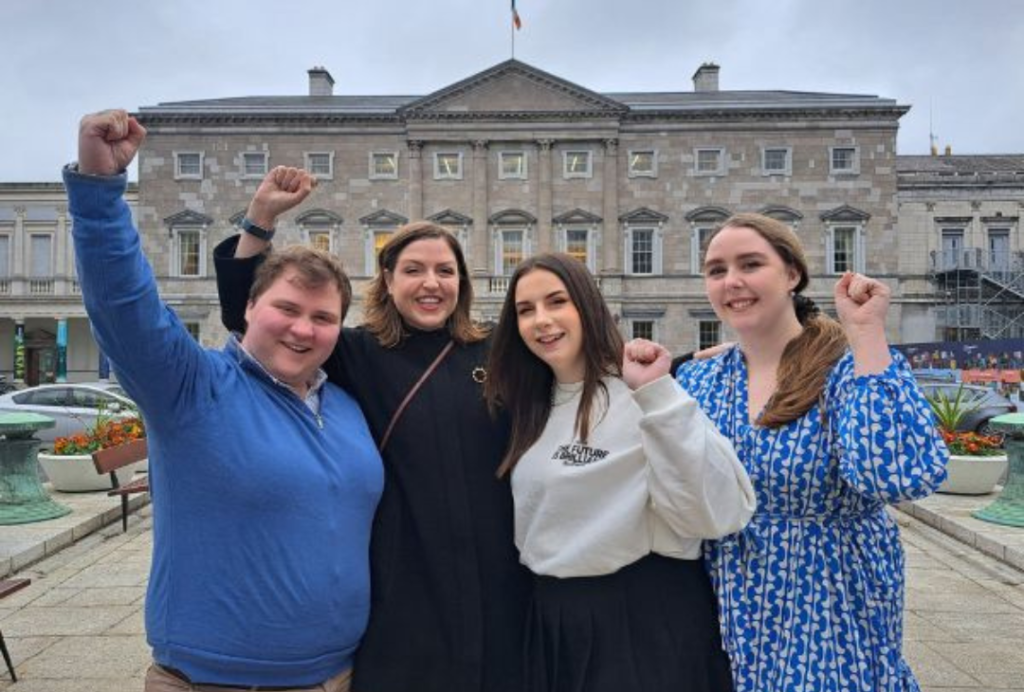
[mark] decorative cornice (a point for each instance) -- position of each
(782, 213)
(451, 218)
(513, 216)
(318, 216)
(845, 213)
(383, 217)
(188, 217)
(643, 215)
(708, 214)
(576, 216)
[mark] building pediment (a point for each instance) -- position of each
(643, 215)
(449, 217)
(383, 217)
(509, 88)
(577, 216)
(708, 214)
(188, 218)
(845, 214)
(516, 217)
(318, 217)
(782, 213)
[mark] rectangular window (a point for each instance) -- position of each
(193, 329)
(998, 250)
(511, 165)
(448, 165)
(577, 244)
(384, 165)
(642, 329)
(844, 243)
(512, 250)
(643, 164)
(188, 165)
(642, 251)
(576, 164)
(701, 234)
(41, 266)
(844, 160)
(709, 333)
(5, 256)
(380, 239)
(708, 161)
(188, 253)
(321, 240)
(776, 161)
(952, 249)
(254, 164)
(320, 164)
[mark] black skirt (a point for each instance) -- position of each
(650, 627)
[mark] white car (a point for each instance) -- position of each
(74, 406)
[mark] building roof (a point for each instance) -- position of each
(961, 165)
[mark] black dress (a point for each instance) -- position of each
(449, 595)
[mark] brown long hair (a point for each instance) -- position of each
(382, 318)
(807, 359)
(522, 383)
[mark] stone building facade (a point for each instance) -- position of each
(515, 161)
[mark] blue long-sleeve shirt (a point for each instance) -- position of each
(261, 509)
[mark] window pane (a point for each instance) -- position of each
(380, 239)
(641, 162)
(842, 256)
(448, 165)
(710, 333)
(707, 160)
(576, 244)
(254, 164)
(320, 164)
(643, 251)
(5, 256)
(321, 240)
(385, 165)
(775, 159)
(577, 162)
(643, 329)
(512, 164)
(189, 164)
(842, 158)
(188, 253)
(193, 329)
(41, 267)
(511, 250)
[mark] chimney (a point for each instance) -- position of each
(320, 82)
(949, 150)
(706, 77)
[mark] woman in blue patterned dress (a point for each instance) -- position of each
(831, 427)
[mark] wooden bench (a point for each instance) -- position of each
(113, 458)
(7, 587)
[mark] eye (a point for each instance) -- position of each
(524, 310)
(714, 271)
(751, 264)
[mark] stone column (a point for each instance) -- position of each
(544, 195)
(62, 350)
(415, 179)
(611, 234)
(478, 233)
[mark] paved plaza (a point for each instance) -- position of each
(79, 626)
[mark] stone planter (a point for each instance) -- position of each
(973, 475)
(76, 473)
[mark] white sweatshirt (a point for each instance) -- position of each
(654, 476)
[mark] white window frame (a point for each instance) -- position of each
(634, 173)
(243, 162)
(858, 247)
(502, 175)
(370, 246)
(447, 175)
(633, 321)
(700, 324)
(309, 232)
(719, 170)
(6, 260)
(50, 270)
(655, 249)
(563, 243)
(176, 234)
(787, 168)
(329, 175)
(991, 261)
(695, 247)
(374, 175)
(499, 246)
(178, 174)
(854, 168)
(588, 157)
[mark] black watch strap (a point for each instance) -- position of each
(252, 229)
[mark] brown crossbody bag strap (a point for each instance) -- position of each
(412, 392)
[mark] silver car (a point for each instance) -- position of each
(74, 406)
(983, 404)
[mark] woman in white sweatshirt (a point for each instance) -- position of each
(617, 476)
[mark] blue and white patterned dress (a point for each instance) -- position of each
(811, 592)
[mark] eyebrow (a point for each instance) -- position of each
(547, 297)
(746, 255)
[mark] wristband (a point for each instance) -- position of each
(258, 231)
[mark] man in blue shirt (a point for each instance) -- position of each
(264, 476)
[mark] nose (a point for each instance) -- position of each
(541, 317)
(733, 277)
(430, 280)
(302, 327)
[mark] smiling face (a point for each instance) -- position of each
(748, 283)
(424, 284)
(549, 324)
(293, 329)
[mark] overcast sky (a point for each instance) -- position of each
(959, 64)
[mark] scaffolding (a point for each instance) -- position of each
(980, 294)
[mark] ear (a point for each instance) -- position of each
(794, 277)
(389, 278)
(248, 310)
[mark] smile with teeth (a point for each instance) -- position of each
(296, 347)
(429, 302)
(740, 303)
(549, 339)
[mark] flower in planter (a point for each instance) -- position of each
(948, 411)
(106, 432)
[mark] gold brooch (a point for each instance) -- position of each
(479, 375)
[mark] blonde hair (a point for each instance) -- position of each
(807, 360)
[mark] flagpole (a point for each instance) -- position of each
(512, 34)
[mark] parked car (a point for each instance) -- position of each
(984, 403)
(73, 405)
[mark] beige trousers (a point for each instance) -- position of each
(159, 680)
